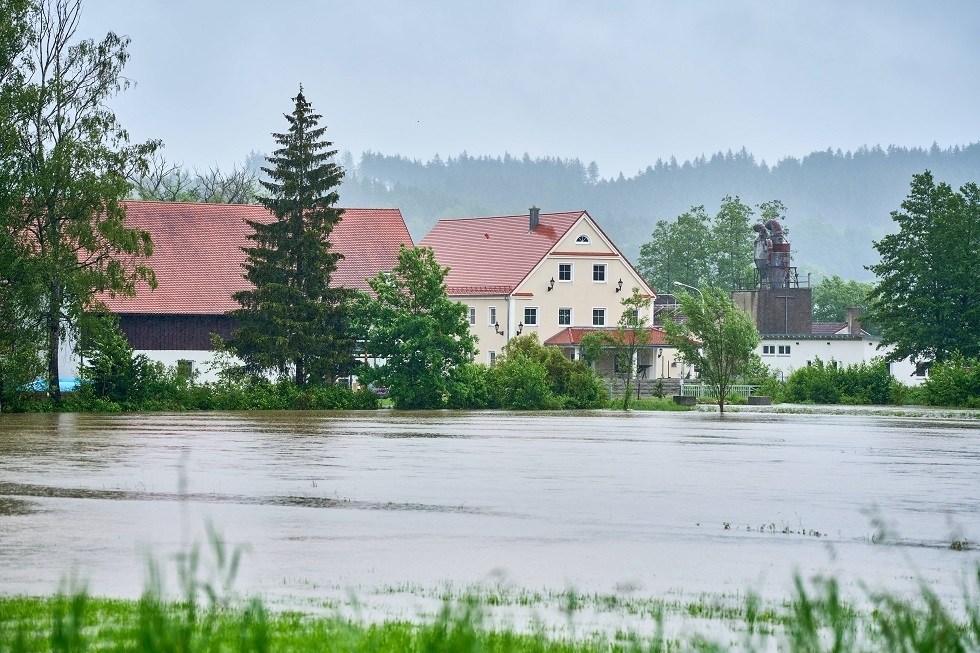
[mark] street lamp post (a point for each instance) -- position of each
(678, 283)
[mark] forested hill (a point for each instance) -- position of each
(838, 202)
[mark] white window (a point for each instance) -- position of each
(472, 315)
(599, 273)
(784, 350)
(530, 316)
(598, 317)
(768, 350)
(582, 240)
(564, 271)
(491, 358)
(564, 317)
(492, 315)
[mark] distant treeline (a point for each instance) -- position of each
(838, 202)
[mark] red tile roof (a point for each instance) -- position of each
(197, 254)
(573, 336)
(491, 256)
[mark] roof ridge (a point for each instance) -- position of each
(250, 205)
(514, 215)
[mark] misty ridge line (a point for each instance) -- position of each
(838, 202)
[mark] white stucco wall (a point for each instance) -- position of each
(845, 350)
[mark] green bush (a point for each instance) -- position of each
(772, 387)
(530, 376)
(469, 387)
(955, 382)
(829, 383)
(520, 383)
(164, 389)
(109, 369)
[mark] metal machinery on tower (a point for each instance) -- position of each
(772, 257)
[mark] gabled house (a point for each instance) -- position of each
(541, 273)
(198, 257)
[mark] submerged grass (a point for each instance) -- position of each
(207, 618)
(815, 619)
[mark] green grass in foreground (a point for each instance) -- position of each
(816, 619)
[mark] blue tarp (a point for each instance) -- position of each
(66, 385)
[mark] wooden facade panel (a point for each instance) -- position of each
(180, 332)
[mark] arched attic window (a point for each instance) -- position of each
(583, 240)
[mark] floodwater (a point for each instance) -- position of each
(598, 501)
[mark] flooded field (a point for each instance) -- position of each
(387, 503)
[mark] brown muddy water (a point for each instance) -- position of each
(387, 501)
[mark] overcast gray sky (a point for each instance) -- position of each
(621, 83)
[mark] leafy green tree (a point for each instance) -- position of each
(715, 337)
(590, 349)
(927, 299)
(66, 164)
(772, 210)
(292, 320)
(698, 250)
(20, 342)
(833, 296)
(731, 239)
(632, 335)
(678, 251)
(420, 334)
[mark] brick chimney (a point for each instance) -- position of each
(854, 320)
(534, 217)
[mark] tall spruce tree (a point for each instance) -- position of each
(292, 320)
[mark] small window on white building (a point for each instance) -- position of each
(583, 240)
(784, 350)
(564, 317)
(768, 350)
(472, 315)
(599, 273)
(531, 316)
(492, 315)
(491, 358)
(598, 317)
(564, 271)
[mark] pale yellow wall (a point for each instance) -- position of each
(581, 294)
(584, 227)
(488, 340)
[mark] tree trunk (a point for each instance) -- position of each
(54, 343)
(300, 378)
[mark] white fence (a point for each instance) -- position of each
(702, 390)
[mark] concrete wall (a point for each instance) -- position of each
(783, 311)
